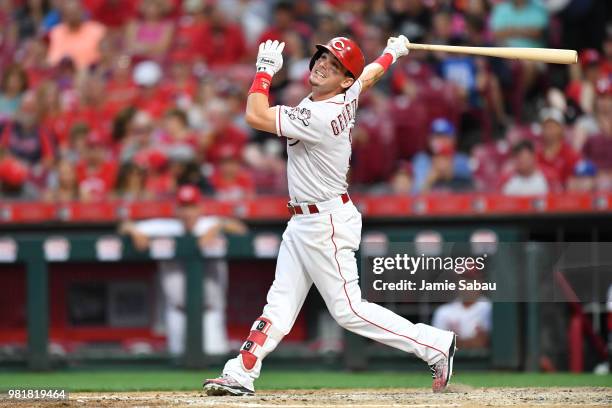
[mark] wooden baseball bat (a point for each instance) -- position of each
(550, 55)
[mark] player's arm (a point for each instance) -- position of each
(396, 47)
(259, 115)
(140, 240)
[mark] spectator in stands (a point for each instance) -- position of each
(13, 85)
(208, 231)
(594, 123)
(223, 43)
(598, 147)
(14, 183)
(442, 176)
(442, 137)
(555, 155)
(151, 97)
(584, 179)
(92, 106)
(160, 181)
(401, 181)
(30, 18)
(230, 180)
(150, 36)
(131, 183)
(223, 133)
(470, 318)
(62, 185)
(526, 178)
(138, 137)
(177, 138)
(519, 23)
(581, 91)
(75, 38)
(34, 61)
(25, 139)
(77, 148)
(96, 171)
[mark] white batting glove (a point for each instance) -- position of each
(397, 47)
(270, 57)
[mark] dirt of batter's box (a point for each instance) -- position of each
(457, 396)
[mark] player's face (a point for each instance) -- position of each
(328, 74)
(188, 214)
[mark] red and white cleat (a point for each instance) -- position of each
(442, 370)
(225, 385)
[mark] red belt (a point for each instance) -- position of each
(312, 208)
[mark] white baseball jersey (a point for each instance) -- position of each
(318, 145)
(464, 320)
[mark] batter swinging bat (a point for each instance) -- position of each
(551, 55)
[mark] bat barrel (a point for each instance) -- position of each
(549, 55)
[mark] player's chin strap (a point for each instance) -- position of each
(263, 338)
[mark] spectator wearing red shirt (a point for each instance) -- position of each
(190, 31)
(230, 180)
(34, 61)
(93, 108)
(598, 148)
(96, 172)
(152, 97)
(181, 87)
(374, 154)
(581, 90)
(112, 13)
(223, 133)
(223, 43)
(555, 154)
(160, 182)
(14, 183)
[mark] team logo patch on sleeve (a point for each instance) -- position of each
(301, 114)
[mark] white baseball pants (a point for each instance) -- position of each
(320, 249)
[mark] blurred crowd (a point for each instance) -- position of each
(111, 99)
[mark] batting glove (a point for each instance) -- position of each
(397, 47)
(270, 57)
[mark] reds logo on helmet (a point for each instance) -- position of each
(346, 50)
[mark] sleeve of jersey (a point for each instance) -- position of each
(354, 91)
(160, 227)
(205, 224)
(297, 123)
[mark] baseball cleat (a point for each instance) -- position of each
(225, 385)
(442, 370)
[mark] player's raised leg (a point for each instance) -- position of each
(333, 269)
(284, 301)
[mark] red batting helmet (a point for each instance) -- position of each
(346, 50)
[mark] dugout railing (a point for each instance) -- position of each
(37, 252)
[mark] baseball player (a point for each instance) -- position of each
(207, 230)
(324, 231)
